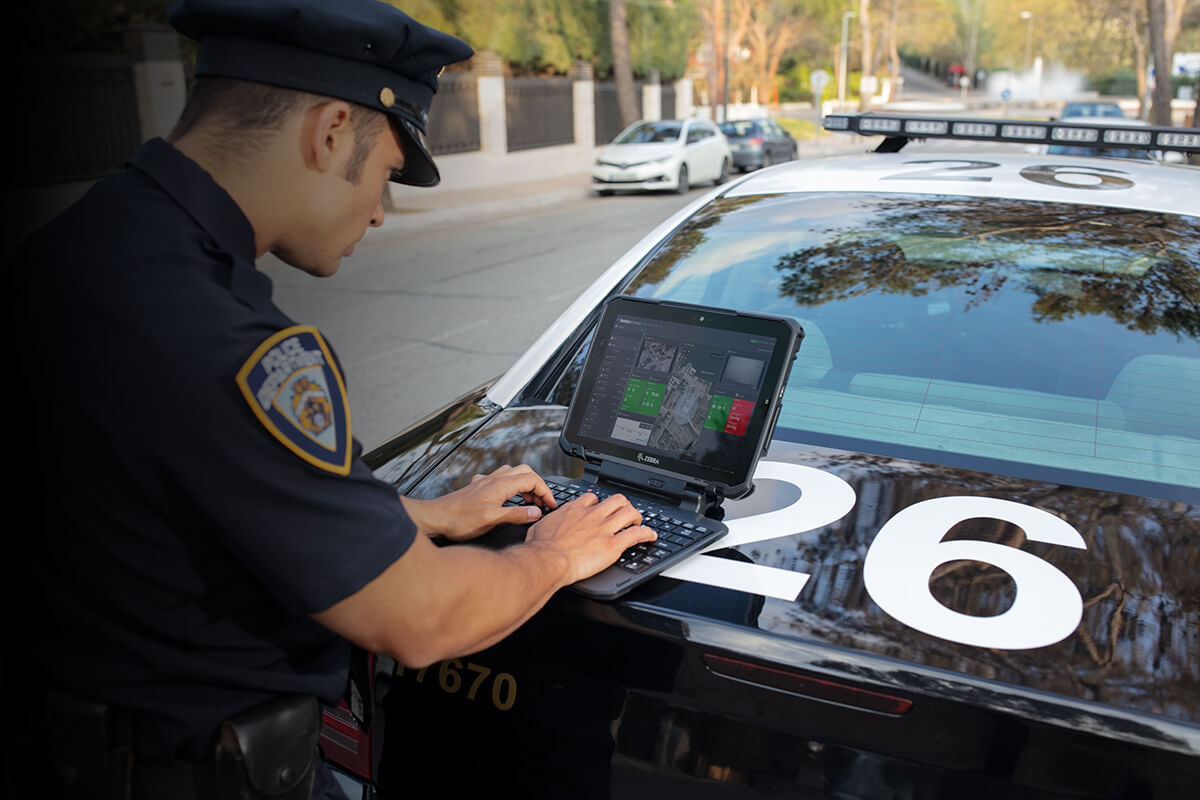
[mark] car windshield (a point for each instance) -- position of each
(650, 132)
(740, 129)
(988, 333)
(1100, 152)
(1092, 110)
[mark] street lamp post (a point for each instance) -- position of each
(842, 64)
(725, 81)
(1028, 17)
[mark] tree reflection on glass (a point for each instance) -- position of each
(1137, 267)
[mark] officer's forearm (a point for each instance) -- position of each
(435, 603)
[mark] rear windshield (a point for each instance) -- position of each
(650, 132)
(739, 129)
(1059, 337)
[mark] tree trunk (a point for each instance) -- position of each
(1137, 32)
(864, 25)
(894, 47)
(622, 62)
(1160, 110)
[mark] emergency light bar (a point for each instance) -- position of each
(899, 129)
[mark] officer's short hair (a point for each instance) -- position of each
(241, 112)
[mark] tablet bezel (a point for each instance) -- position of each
(787, 334)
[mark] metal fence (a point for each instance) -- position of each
(608, 114)
(540, 112)
(453, 125)
(86, 110)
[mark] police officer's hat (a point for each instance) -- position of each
(364, 51)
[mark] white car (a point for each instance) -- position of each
(669, 155)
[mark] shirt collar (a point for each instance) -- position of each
(202, 197)
(212, 207)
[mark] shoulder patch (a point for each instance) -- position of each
(294, 388)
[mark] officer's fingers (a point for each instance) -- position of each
(636, 534)
(526, 483)
(618, 508)
(540, 490)
(585, 500)
(519, 515)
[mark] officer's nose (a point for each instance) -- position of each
(377, 216)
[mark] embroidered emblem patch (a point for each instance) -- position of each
(293, 386)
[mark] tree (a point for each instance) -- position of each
(774, 28)
(1166, 21)
(1135, 17)
(866, 83)
(1160, 108)
(622, 63)
(725, 23)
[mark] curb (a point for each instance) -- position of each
(445, 211)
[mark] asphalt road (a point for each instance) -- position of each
(419, 315)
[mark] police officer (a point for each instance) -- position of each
(212, 543)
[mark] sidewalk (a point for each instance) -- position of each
(417, 209)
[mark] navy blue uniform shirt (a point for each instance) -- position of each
(203, 493)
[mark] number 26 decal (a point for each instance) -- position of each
(1067, 176)
(904, 554)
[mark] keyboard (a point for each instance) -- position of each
(674, 533)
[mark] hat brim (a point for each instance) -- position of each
(419, 169)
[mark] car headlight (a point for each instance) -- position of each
(600, 162)
(661, 159)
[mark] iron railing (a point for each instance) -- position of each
(540, 112)
(86, 107)
(608, 114)
(453, 125)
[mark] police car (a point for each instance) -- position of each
(970, 566)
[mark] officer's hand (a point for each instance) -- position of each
(591, 534)
(479, 506)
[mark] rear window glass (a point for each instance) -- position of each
(739, 128)
(1062, 336)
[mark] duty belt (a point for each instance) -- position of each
(268, 752)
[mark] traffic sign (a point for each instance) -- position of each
(817, 81)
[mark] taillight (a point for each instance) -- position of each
(805, 685)
(756, 141)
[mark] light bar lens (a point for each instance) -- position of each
(1141, 138)
(1179, 139)
(1074, 134)
(926, 126)
(881, 125)
(1023, 132)
(974, 129)
(1064, 131)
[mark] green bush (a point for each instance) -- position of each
(1122, 82)
(1116, 82)
(794, 85)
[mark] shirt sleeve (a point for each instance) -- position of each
(312, 530)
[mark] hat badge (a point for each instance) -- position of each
(387, 97)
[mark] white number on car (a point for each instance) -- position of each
(909, 547)
(902, 558)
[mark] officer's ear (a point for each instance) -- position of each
(326, 135)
